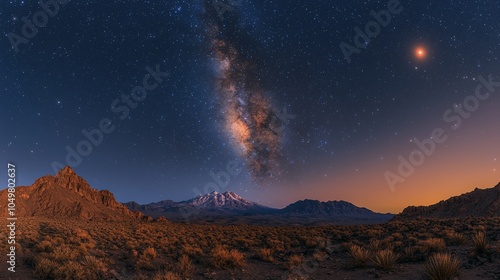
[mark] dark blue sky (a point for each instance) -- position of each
(347, 115)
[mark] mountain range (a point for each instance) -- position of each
(67, 195)
(220, 206)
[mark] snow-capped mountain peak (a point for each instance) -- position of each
(216, 200)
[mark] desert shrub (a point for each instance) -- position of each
(94, 268)
(143, 263)
(192, 250)
(344, 247)
(63, 253)
(311, 243)
(73, 270)
(320, 256)
(454, 238)
(398, 245)
(265, 255)
(397, 236)
(145, 259)
(480, 243)
(44, 268)
(82, 234)
(376, 245)
(48, 269)
(373, 232)
(385, 259)
(150, 253)
(132, 254)
(44, 246)
(479, 228)
(131, 245)
(433, 245)
(276, 245)
(165, 275)
(58, 240)
(412, 240)
(409, 254)
(442, 266)
(359, 255)
(294, 261)
(186, 267)
(223, 258)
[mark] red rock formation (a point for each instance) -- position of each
(66, 195)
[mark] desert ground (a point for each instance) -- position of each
(75, 249)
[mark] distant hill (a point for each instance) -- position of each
(331, 208)
(66, 195)
(478, 203)
(157, 206)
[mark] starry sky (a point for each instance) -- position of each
(261, 90)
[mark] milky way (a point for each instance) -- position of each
(250, 119)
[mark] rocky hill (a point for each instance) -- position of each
(66, 195)
(478, 203)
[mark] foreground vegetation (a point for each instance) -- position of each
(69, 249)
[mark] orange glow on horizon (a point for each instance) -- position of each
(458, 166)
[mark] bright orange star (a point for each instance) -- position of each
(420, 53)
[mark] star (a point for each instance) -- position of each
(420, 53)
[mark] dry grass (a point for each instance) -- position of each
(54, 249)
(94, 267)
(265, 255)
(480, 243)
(454, 238)
(150, 253)
(320, 256)
(433, 245)
(359, 255)
(294, 261)
(223, 258)
(376, 245)
(186, 266)
(166, 275)
(385, 259)
(442, 266)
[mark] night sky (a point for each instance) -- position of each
(259, 85)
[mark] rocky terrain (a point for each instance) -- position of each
(478, 203)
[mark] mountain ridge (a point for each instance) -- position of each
(231, 204)
(68, 195)
(476, 203)
(331, 207)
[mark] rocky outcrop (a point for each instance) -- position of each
(66, 195)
